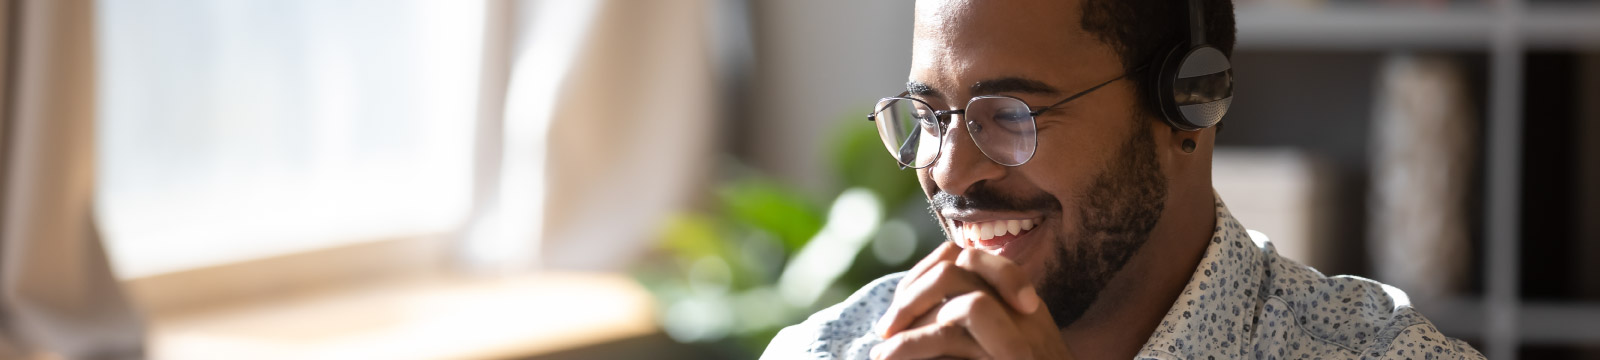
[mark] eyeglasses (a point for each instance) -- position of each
(1002, 126)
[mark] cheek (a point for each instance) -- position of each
(1064, 170)
(1059, 170)
(1070, 155)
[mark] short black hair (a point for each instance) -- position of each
(1142, 31)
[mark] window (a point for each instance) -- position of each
(235, 130)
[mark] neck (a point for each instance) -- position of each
(1130, 307)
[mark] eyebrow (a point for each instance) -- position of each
(1013, 84)
(917, 88)
(1009, 84)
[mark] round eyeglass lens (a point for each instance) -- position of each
(1003, 128)
(909, 131)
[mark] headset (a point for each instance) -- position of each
(1194, 81)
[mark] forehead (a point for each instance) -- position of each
(960, 42)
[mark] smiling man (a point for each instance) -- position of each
(1065, 147)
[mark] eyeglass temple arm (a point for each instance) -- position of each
(1086, 91)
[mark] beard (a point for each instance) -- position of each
(1116, 215)
(1114, 220)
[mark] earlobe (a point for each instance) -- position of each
(1188, 146)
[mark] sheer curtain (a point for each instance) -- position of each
(608, 125)
(59, 295)
(242, 129)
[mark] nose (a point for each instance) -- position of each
(963, 164)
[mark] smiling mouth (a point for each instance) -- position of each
(992, 235)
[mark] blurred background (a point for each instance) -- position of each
(542, 179)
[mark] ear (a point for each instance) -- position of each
(1183, 152)
(1188, 143)
(1190, 171)
(1189, 151)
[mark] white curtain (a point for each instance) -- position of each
(608, 126)
(58, 296)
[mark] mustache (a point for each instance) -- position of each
(985, 198)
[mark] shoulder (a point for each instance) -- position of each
(1423, 341)
(841, 331)
(1350, 314)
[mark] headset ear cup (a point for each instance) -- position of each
(1165, 76)
(1194, 87)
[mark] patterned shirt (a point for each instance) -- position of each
(1243, 301)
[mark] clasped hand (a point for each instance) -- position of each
(966, 303)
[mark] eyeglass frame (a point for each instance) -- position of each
(944, 122)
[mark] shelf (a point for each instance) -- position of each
(1504, 31)
(1393, 27)
(1357, 27)
(1563, 26)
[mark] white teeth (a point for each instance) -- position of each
(972, 232)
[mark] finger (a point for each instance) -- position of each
(930, 342)
(984, 320)
(990, 322)
(942, 281)
(1004, 276)
(945, 252)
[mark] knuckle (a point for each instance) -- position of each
(981, 299)
(947, 330)
(920, 336)
(1011, 269)
(888, 349)
(928, 280)
(941, 269)
(971, 304)
(961, 306)
(968, 257)
(1013, 274)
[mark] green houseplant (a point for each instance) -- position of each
(767, 254)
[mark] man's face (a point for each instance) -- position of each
(1094, 188)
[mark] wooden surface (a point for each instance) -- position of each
(438, 318)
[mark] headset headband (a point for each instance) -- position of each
(1197, 23)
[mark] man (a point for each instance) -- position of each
(1089, 228)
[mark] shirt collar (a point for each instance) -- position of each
(1216, 310)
